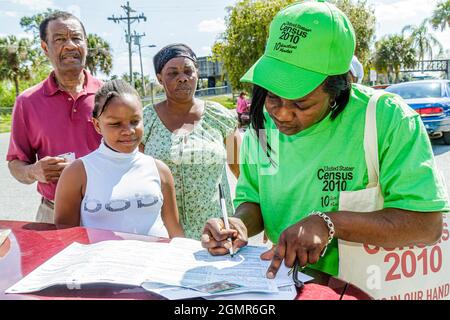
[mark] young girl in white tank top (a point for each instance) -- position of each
(117, 187)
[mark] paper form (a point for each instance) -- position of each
(130, 262)
(284, 282)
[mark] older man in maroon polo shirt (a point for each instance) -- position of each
(54, 117)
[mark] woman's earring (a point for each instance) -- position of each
(333, 106)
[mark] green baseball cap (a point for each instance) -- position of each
(308, 42)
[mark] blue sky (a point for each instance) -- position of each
(194, 22)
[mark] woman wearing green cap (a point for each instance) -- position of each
(308, 155)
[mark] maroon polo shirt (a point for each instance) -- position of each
(47, 121)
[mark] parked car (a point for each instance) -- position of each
(431, 99)
(380, 86)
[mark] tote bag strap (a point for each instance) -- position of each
(371, 140)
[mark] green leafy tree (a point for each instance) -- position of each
(422, 40)
(441, 16)
(16, 60)
(99, 56)
(247, 27)
(31, 24)
(362, 17)
(7, 97)
(393, 52)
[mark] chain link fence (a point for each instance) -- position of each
(206, 92)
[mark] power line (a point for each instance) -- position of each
(137, 41)
(129, 19)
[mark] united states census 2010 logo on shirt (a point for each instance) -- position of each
(292, 33)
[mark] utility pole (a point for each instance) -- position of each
(137, 41)
(129, 19)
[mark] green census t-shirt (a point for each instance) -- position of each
(314, 165)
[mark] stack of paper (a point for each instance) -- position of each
(182, 263)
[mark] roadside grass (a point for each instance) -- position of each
(225, 100)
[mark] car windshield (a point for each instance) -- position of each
(417, 90)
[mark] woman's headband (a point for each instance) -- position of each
(172, 51)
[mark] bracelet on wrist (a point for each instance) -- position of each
(330, 226)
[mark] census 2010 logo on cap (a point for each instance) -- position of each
(292, 33)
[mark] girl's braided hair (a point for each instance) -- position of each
(110, 90)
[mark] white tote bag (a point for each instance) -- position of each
(408, 273)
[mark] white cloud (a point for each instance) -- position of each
(12, 14)
(18, 35)
(28, 35)
(393, 15)
(212, 26)
(444, 39)
(205, 50)
(121, 63)
(35, 4)
(106, 34)
(75, 10)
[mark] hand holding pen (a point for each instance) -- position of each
(218, 236)
(225, 218)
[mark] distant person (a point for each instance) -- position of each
(195, 138)
(117, 187)
(243, 109)
(356, 70)
(53, 118)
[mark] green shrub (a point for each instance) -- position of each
(7, 97)
(5, 123)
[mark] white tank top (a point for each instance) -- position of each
(123, 193)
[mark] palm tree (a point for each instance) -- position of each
(17, 60)
(422, 40)
(99, 56)
(441, 15)
(392, 53)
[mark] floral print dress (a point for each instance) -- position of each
(197, 159)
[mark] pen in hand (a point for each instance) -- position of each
(225, 218)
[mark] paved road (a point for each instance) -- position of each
(17, 201)
(442, 155)
(20, 202)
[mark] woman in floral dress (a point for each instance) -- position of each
(195, 138)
